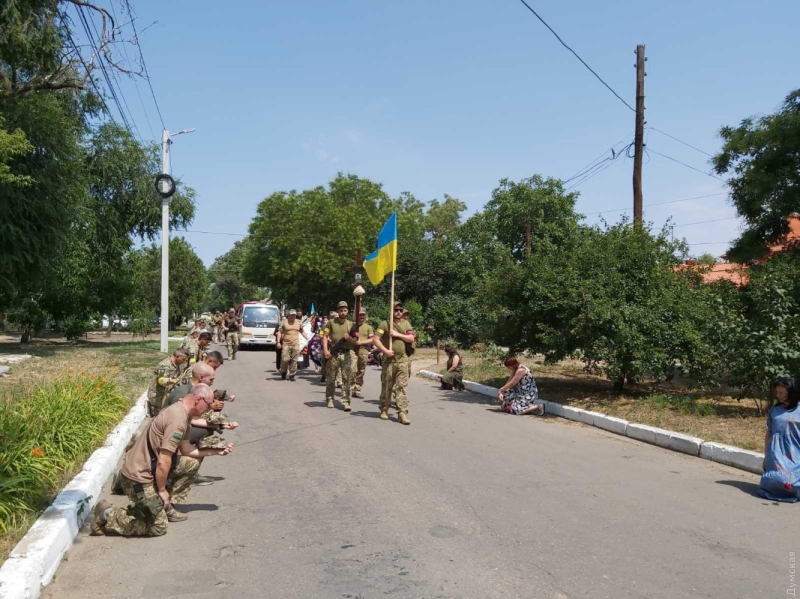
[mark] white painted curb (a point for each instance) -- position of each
(724, 454)
(34, 561)
(664, 438)
(733, 456)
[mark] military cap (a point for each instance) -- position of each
(342, 304)
(292, 312)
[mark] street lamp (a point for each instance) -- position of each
(165, 186)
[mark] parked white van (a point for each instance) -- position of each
(258, 324)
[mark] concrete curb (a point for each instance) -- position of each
(716, 452)
(34, 561)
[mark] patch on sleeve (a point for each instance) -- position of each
(379, 332)
(176, 438)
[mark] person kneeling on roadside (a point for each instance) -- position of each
(519, 395)
(454, 377)
(147, 467)
(781, 478)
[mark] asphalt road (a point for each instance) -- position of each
(466, 502)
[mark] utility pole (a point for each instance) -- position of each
(639, 139)
(165, 186)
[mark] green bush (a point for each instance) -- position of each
(454, 317)
(45, 433)
(76, 327)
(140, 325)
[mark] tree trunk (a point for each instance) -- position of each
(111, 318)
(619, 384)
(26, 335)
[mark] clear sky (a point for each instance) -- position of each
(445, 96)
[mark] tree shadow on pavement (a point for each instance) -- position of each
(197, 507)
(316, 404)
(365, 414)
(746, 487)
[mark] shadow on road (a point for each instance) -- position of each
(749, 488)
(316, 404)
(365, 414)
(198, 507)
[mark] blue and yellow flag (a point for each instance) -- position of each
(384, 260)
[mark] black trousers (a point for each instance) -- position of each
(278, 353)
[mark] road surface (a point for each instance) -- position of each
(466, 502)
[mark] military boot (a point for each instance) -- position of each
(402, 418)
(99, 522)
(346, 407)
(174, 515)
(330, 403)
(384, 415)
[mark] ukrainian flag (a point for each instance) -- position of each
(384, 260)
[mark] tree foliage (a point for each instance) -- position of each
(227, 286)
(763, 156)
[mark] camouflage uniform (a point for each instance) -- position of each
(125, 521)
(338, 365)
(157, 392)
(394, 377)
(360, 360)
(232, 336)
(181, 479)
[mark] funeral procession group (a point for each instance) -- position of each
(187, 414)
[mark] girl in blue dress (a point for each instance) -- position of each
(781, 478)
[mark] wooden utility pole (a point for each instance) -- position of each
(639, 139)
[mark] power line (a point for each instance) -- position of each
(710, 195)
(563, 43)
(686, 165)
(597, 160)
(135, 83)
(703, 222)
(100, 58)
(144, 64)
(710, 243)
(599, 78)
(681, 141)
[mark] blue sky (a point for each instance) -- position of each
(445, 96)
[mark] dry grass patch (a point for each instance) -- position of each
(679, 407)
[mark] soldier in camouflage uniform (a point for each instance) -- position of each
(393, 345)
(212, 358)
(166, 374)
(337, 348)
(145, 474)
(232, 326)
(365, 334)
(197, 350)
(217, 322)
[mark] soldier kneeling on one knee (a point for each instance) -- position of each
(160, 454)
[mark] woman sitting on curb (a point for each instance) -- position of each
(454, 377)
(781, 478)
(519, 395)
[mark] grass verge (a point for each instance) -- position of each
(674, 406)
(55, 409)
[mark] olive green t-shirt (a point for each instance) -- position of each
(335, 330)
(364, 332)
(166, 431)
(398, 345)
(290, 332)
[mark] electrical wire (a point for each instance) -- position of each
(144, 64)
(210, 232)
(135, 83)
(686, 165)
(678, 140)
(100, 57)
(703, 222)
(599, 78)
(563, 43)
(710, 195)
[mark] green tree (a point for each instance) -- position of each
(301, 243)
(188, 281)
(763, 157)
(228, 288)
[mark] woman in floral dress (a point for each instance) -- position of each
(519, 395)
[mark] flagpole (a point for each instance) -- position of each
(391, 313)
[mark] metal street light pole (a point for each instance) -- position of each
(166, 187)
